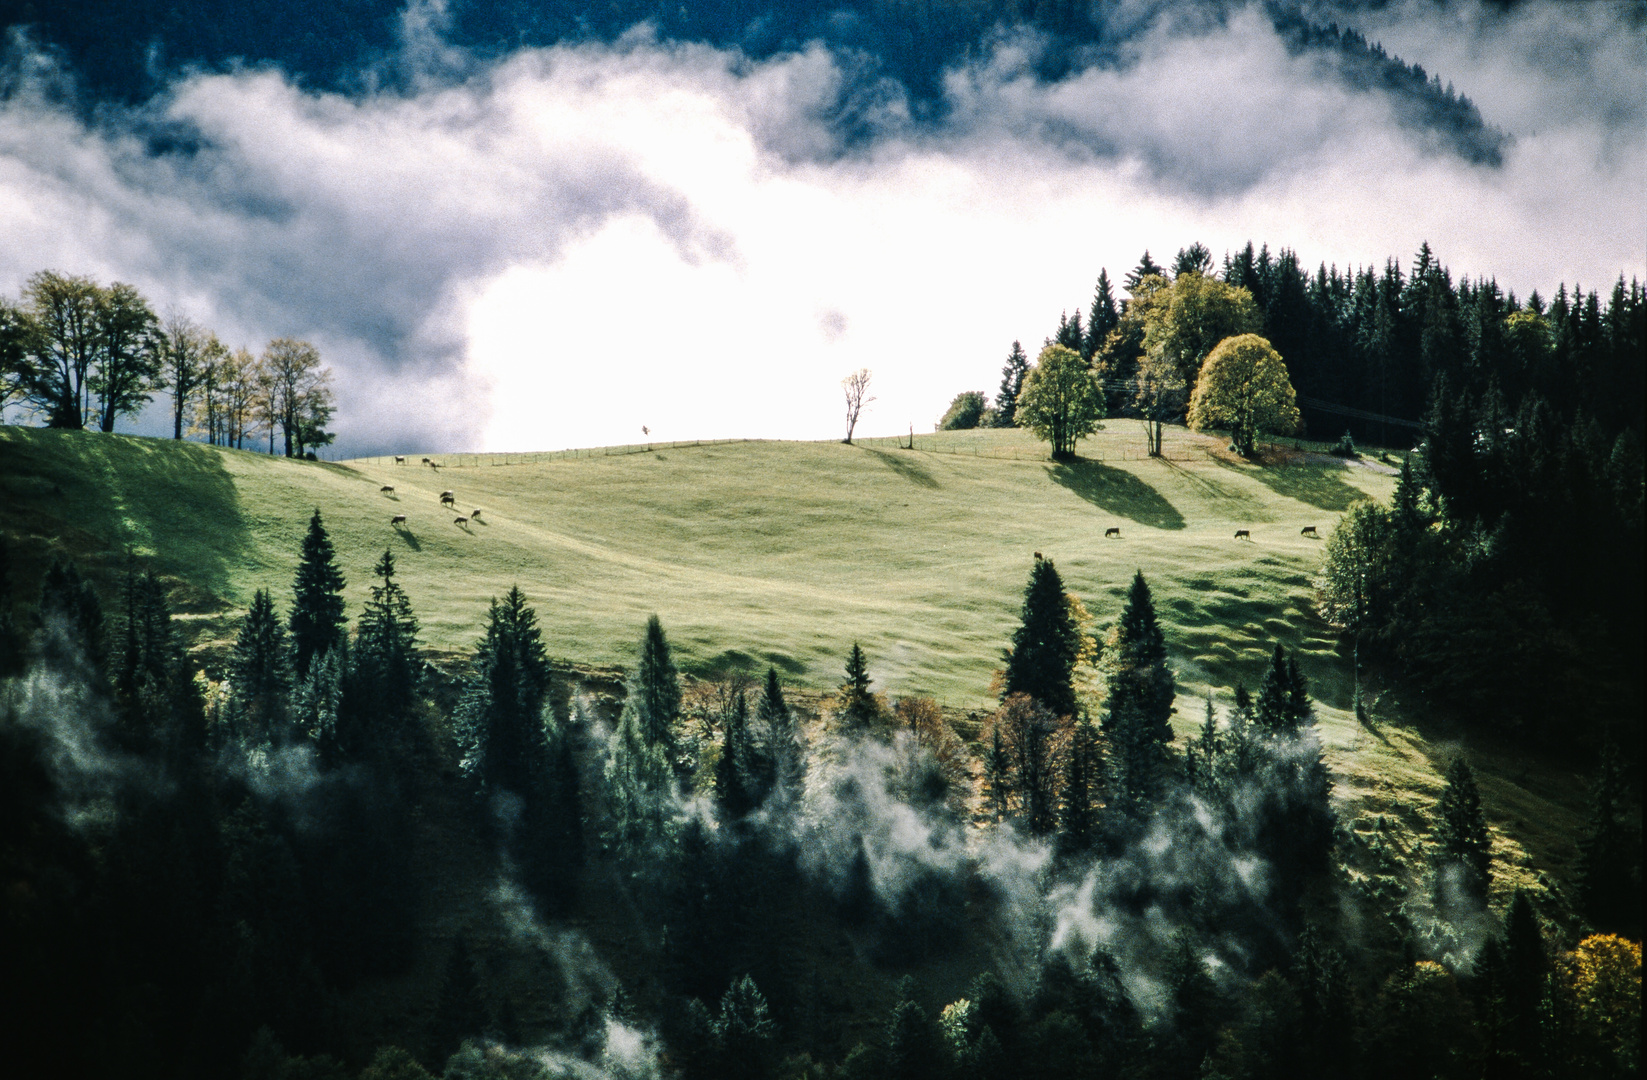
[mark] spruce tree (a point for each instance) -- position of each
(858, 710)
(733, 773)
(1046, 644)
(383, 672)
(639, 783)
(654, 693)
(1012, 381)
(317, 599)
(1273, 710)
(1078, 820)
(1103, 317)
(784, 752)
(511, 678)
(1461, 835)
(746, 1036)
(260, 671)
(1525, 982)
(70, 608)
(1139, 709)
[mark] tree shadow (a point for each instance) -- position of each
(910, 470)
(1318, 484)
(409, 537)
(1116, 492)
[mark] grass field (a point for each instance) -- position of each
(757, 553)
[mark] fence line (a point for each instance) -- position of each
(928, 443)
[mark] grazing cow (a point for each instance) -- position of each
(1243, 534)
(1112, 531)
(1037, 556)
(399, 460)
(461, 521)
(426, 461)
(398, 519)
(448, 499)
(1308, 530)
(475, 513)
(387, 489)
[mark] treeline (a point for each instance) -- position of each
(1518, 532)
(77, 353)
(219, 876)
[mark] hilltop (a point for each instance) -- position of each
(757, 553)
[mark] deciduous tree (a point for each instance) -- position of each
(1244, 388)
(856, 386)
(1060, 400)
(128, 361)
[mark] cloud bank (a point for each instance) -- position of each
(560, 245)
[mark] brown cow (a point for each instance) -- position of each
(1308, 530)
(1112, 531)
(1243, 533)
(387, 489)
(399, 460)
(461, 521)
(398, 519)
(448, 499)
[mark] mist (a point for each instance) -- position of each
(556, 246)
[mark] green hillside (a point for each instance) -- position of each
(785, 553)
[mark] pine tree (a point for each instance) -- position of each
(746, 1036)
(784, 752)
(317, 599)
(381, 683)
(260, 671)
(1078, 823)
(733, 774)
(1273, 710)
(1070, 335)
(1012, 381)
(1141, 692)
(859, 711)
(1103, 317)
(1046, 644)
(654, 694)
(510, 675)
(1147, 267)
(1525, 982)
(639, 782)
(1201, 761)
(1461, 835)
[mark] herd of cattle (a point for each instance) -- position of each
(447, 498)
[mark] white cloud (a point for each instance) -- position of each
(561, 246)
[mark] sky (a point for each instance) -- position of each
(557, 246)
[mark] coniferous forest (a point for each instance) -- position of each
(317, 853)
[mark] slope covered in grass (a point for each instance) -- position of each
(752, 553)
(785, 553)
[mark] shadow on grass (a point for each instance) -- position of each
(912, 471)
(92, 495)
(1317, 484)
(1116, 492)
(409, 537)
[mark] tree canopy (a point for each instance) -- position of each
(1060, 400)
(1244, 388)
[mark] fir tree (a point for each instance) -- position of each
(1273, 712)
(654, 694)
(639, 782)
(784, 752)
(1525, 983)
(1070, 335)
(1078, 822)
(511, 679)
(70, 607)
(1461, 835)
(1141, 692)
(1103, 317)
(382, 679)
(1046, 644)
(1012, 381)
(858, 710)
(745, 1036)
(317, 599)
(1147, 267)
(733, 772)
(260, 671)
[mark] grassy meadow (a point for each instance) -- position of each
(781, 553)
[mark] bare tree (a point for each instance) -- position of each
(856, 386)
